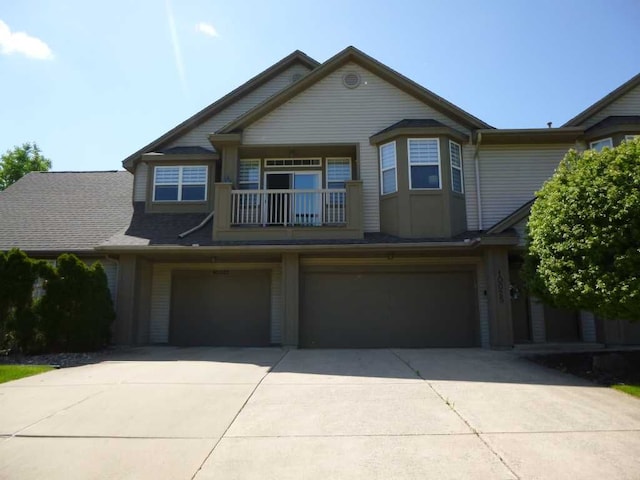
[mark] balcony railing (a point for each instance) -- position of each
(288, 214)
(304, 208)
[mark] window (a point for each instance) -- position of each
(388, 177)
(338, 172)
(630, 137)
(249, 177)
(292, 162)
(180, 184)
(455, 154)
(598, 145)
(424, 163)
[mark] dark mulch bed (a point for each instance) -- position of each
(604, 368)
(59, 360)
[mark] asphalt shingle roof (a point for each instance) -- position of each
(64, 211)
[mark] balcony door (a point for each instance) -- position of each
(293, 207)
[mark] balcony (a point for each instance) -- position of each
(281, 214)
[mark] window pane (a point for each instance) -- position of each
(454, 149)
(600, 144)
(193, 192)
(166, 192)
(249, 171)
(389, 181)
(425, 177)
(456, 178)
(167, 175)
(388, 156)
(338, 170)
(194, 175)
(248, 186)
(423, 151)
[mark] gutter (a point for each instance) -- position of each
(197, 227)
(476, 159)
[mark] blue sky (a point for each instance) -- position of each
(92, 82)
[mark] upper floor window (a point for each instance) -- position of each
(630, 137)
(598, 145)
(338, 172)
(424, 163)
(180, 184)
(455, 153)
(388, 172)
(249, 175)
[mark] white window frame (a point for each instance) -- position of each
(630, 137)
(437, 140)
(180, 183)
(451, 142)
(395, 167)
(591, 144)
(326, 168)
(316, 162)
(258, 161)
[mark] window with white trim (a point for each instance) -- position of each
(338, 172)
(249, 174)
(598, 145)
(424, 163)
(455, 155)
(388, 172)
(180, 184)
(630, 137)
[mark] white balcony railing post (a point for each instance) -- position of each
(288, 207)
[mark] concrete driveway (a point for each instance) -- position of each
(205, 413)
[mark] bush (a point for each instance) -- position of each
(76, 310)
(74, 314)
(584, 233)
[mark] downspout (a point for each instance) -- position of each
(476, 159)
(197, 227)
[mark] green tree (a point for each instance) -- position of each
(584, 233)
(19, 161)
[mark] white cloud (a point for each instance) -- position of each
(207, 29)
(20, 42)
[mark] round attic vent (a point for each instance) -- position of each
(351, 80)
(295, 77)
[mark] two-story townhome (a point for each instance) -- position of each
(339, 205)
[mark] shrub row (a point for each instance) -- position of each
(74, 314)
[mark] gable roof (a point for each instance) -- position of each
(352, 54)
(604, 102)
(233, 96)
(64, 211)
(512, 219)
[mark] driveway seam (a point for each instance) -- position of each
(238, 413)
(17, 434)
(451, 406)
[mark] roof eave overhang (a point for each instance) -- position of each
(179, 157)
(418, 131)
(606, 131)
(221, 140)
(530, 135)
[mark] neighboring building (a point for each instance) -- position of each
(323, 205)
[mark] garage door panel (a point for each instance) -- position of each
(220, 308)
(388, 309)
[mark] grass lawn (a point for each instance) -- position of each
(630, 389)
(14, 372)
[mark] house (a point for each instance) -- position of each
(323, 205)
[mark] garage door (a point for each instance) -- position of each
(229, 308)
(344, 309)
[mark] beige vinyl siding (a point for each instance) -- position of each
(510, 176)
(483, 305)
(198, 137)
(628, 104)
(470, 190)
(328, 112)
(277, 305)
(161, 296)
(140, 182)
(111, 270)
